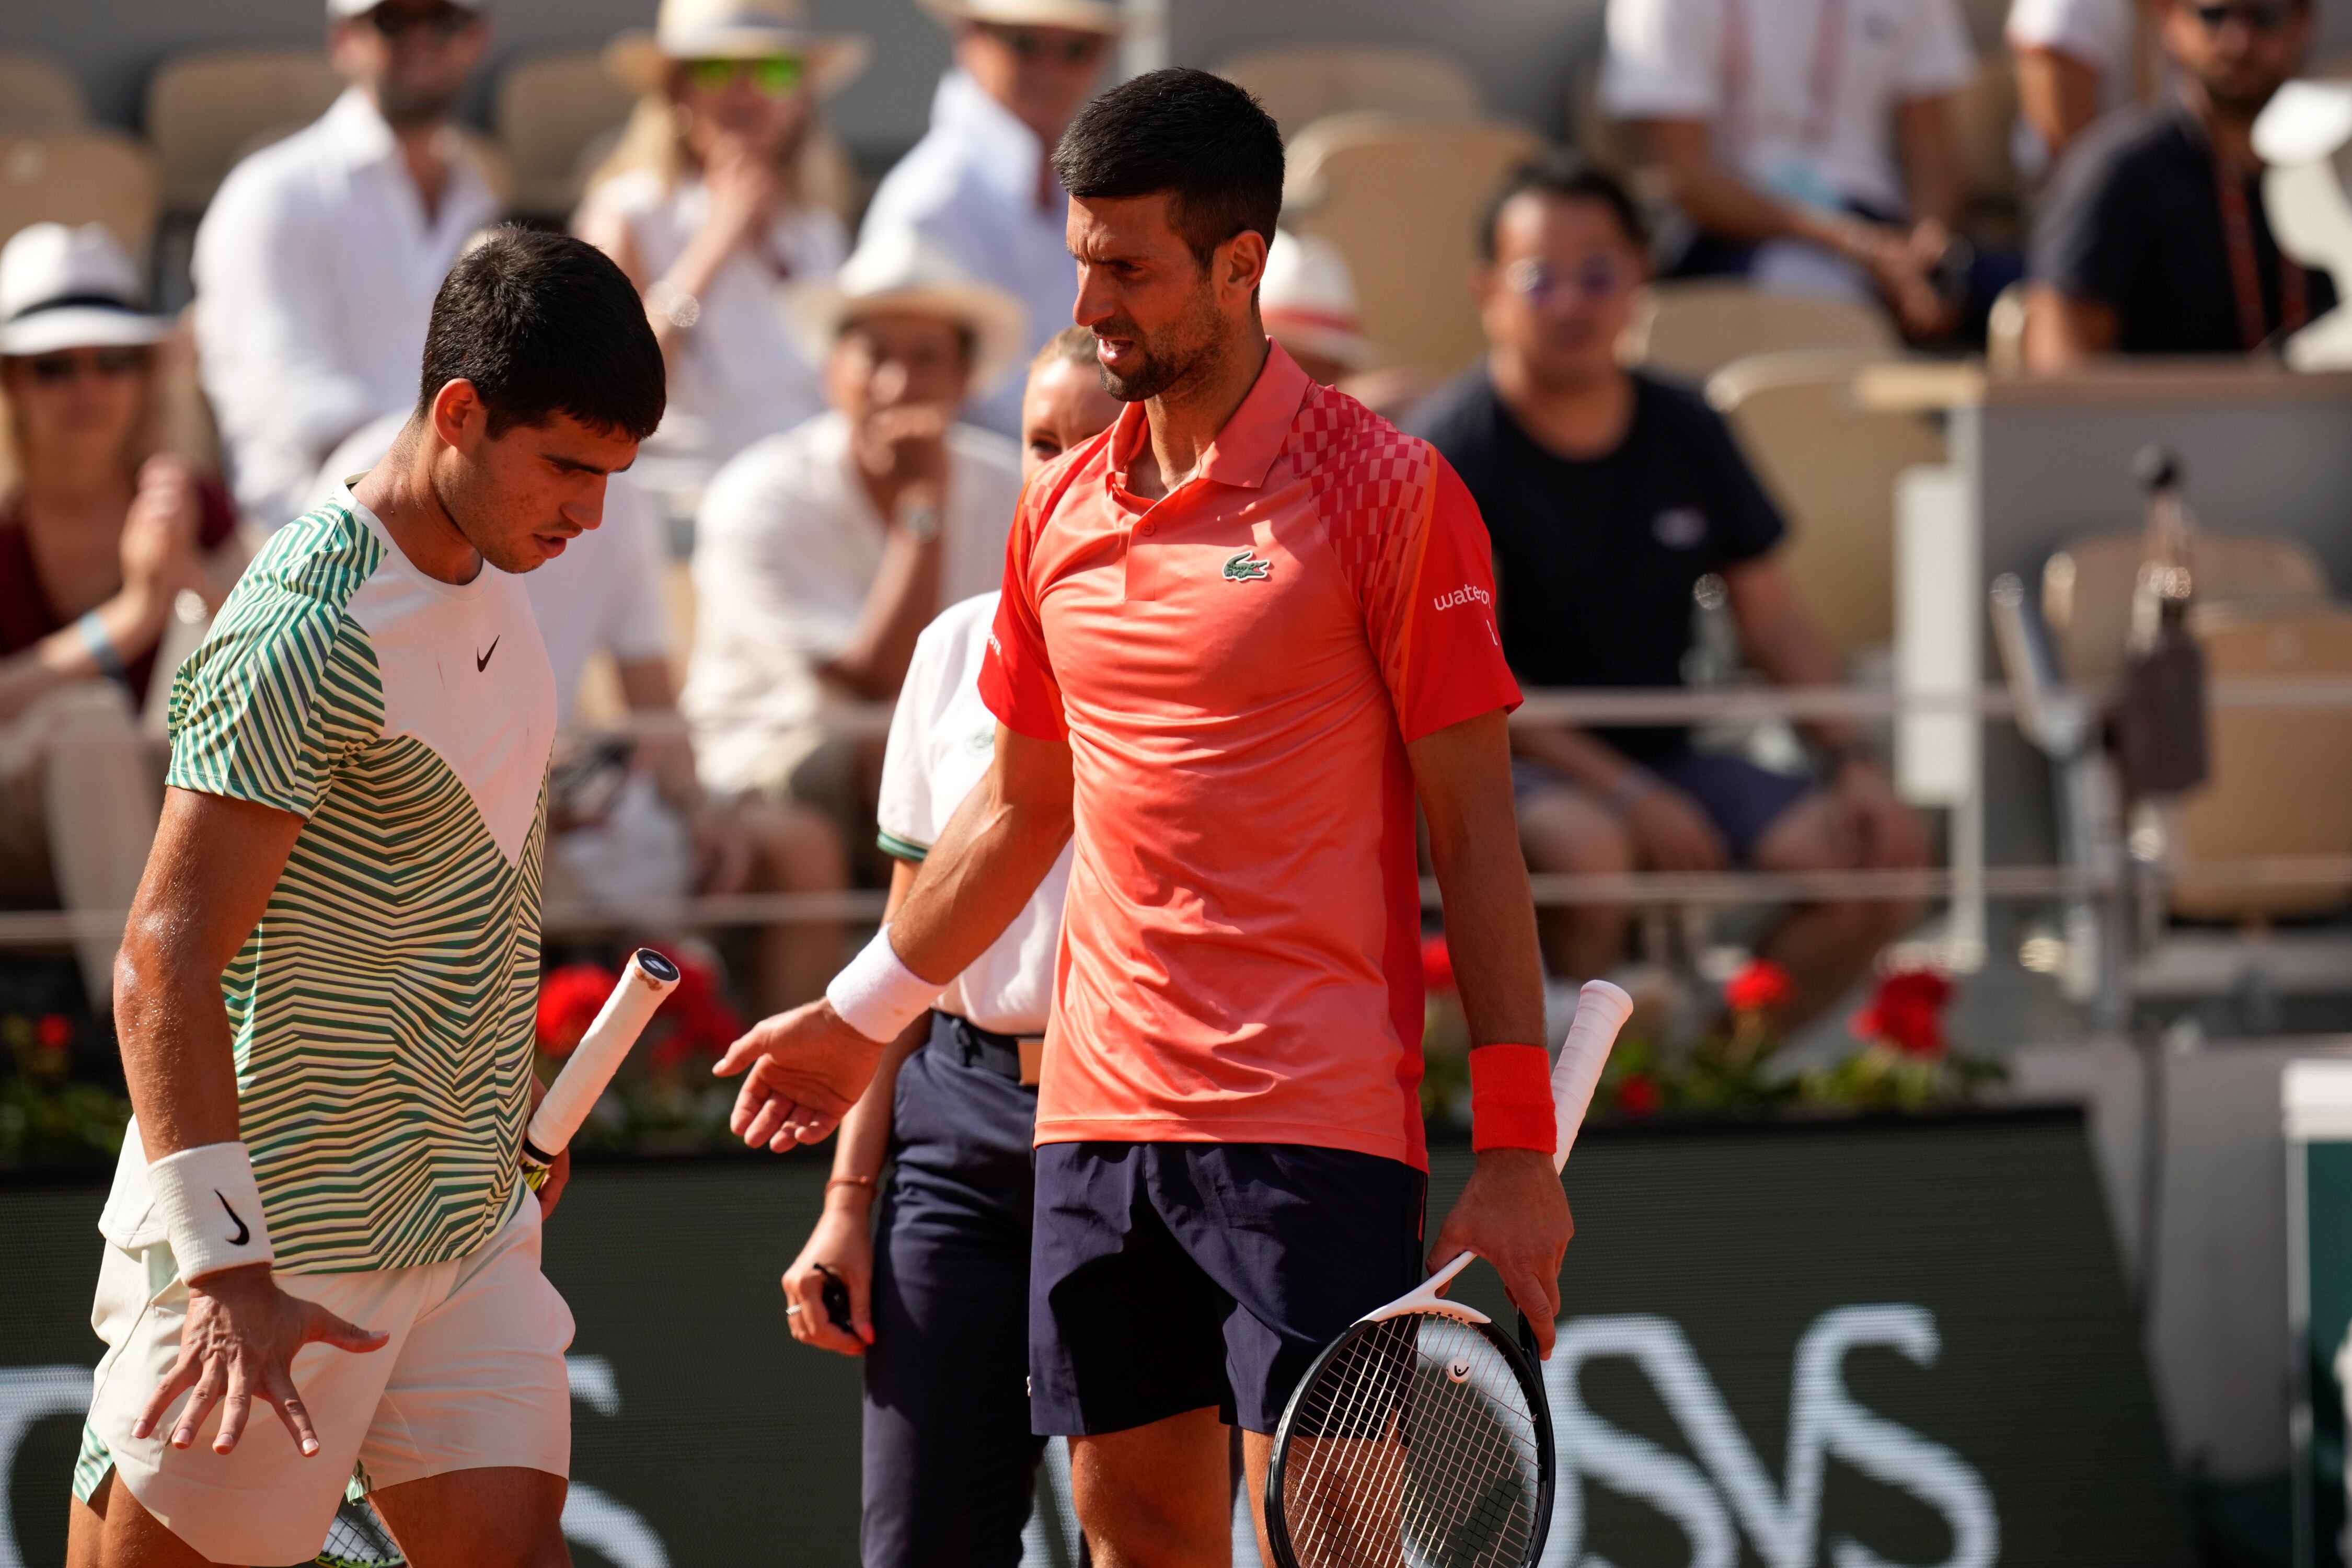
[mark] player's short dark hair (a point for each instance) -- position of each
(1194, 135)
(544, 325)
(1569, 177)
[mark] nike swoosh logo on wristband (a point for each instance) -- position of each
(243, 1233)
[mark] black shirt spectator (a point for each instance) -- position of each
(2137, 220)
(1596, 558)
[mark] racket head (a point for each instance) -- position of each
(1422, 1438)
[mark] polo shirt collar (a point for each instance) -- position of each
(356, 132)
(1244, 451)
(998, 150)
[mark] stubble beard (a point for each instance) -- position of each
(1183, 350)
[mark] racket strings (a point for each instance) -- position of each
(1394, 1459)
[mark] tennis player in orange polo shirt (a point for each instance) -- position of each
(1240, 632)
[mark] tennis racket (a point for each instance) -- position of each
(1421, 1437)
(646, 979)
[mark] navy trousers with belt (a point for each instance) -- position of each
(950, 1463)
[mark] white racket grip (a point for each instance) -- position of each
(646, 979)
(1601, 1010)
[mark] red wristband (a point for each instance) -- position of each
(1510, 1100)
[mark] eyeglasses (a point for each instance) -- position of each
(57, 369)
(1593, 278)
(774, 75)
(444, 22)
(2262, 16)
(1070, 49)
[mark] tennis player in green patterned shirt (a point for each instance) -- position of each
(325, 996)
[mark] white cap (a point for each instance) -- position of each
(1307, 299)
(2303, 123)
(898, 269)
(349, 8)
(730, 31)
(71, 287)
(1079, 15)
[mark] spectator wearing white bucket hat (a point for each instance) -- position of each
(712, 204)
(821, 553)
(102, 527)
(980, 183)
(316, 265)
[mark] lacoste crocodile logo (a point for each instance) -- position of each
(1245, 567)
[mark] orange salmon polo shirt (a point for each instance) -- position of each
(1237, 668)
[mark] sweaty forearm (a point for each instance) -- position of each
(1490, 934)
(177, 1056)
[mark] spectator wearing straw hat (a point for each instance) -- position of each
(713, 202)
(102, 527)
(820, 554)
(317, 263)
(981, 184)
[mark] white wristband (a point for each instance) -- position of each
(876, 994)
(211, 1208)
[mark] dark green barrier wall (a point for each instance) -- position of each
(1990, 1375)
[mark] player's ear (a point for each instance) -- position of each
(1241, 262)
(459, 415)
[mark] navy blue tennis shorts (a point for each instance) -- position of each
(1168, 1276)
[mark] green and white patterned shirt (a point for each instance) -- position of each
(382, 1007)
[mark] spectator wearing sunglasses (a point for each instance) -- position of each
(316, 265)
(103, 525)
(718, 201)
(2152, 237)
(1610, 497)
(979, 184)
(1810, 142)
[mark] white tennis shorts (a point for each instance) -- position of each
(473, 1377)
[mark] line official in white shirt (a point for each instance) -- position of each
(316, 265)
(980, 183)
(939, 1299)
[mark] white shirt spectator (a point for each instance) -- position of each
(315, 269)
(942, 737)
(970, 184)
(1800, 93)
(742, 373)
(786, 547)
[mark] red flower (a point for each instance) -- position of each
(1436, 963)
(1906, 1011)
(700, 1021)
(55, 1031)
(1759, 987)
(569, 999)
(1637, 1095)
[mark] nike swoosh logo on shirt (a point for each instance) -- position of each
(482, 660)
(243, 1233)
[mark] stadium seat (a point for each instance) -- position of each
(554, 112)
(2086, 590)
(1832, 466)
(1299, 84)
(38, 95)
(1401, 195)
(205, 110)
(2277, 784)
(1693, 328)
(85, 176)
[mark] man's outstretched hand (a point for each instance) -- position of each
(808, 1068)
(1514, 1215)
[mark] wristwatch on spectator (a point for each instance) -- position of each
(919, 516)
(674, 304)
